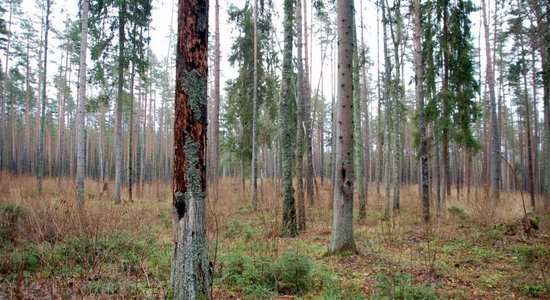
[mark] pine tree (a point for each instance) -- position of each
(81, 151)
(289, 208)
(191, 276)
(342, 221)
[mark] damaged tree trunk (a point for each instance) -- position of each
(191, 276)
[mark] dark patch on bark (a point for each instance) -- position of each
(179, 204)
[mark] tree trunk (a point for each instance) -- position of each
(3, 120)
(214, 128)
(191, 275)
(300, 121)
(26, 155)
(419, 94)
(60, 121)
(38, 125)
(309, 174)
(446, 111)
(543, 38)
(120, 93)
(388, 114)
(254, 169)
(44, 100)
(131, 137)
(357, 130)
(379, 136)
(289, 209)
(81, 103)
(527, 118)
(365, 134)
(342, 221)
(495, 136)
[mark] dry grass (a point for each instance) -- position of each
(459, 255)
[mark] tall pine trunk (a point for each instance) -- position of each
(254, 173)
(357, 130)
(214, 123)
(44, 100)
(495, 133)
(81, 103)
(309, 174)
(342, 221)
(300, 99)
(120, 93)
(289, 208)
(419, 94)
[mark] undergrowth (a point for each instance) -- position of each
(124, 251)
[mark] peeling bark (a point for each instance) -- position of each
(191, 276)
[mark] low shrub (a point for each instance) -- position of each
(263, 277)
(10, 215)
(457, 212)
(400, 286)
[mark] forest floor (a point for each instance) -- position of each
(50, 250)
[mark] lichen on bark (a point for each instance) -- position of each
(193, 174)
(194, 86)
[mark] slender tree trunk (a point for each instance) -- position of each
(3, 120)
(216, 107)
(342, 221)
(38, 125)
(254, 168)
(120, 93)
(543, 38)
(379, 143)
(309, 174)
(357, 130)
(44, 100)
(289, 209)
(144, 134)
(423, 122)
(300, 100)
(446, 111)
(191, 277)
(81, 102)
(365, 133)
(495, 136)
(366, 122)
(527, 118)
(131, 137)
(60, 123)
(388, 114)
(395, 126)
(27, 155)
(101, 144)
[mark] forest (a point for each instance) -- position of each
(275, 149)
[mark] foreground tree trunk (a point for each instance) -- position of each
(191, 276)
(419, 93)
(289, 208)
(81, 100)
(342, 221)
